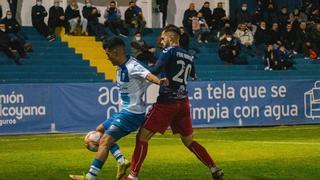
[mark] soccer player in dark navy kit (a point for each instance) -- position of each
(172, 107)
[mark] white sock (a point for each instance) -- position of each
(90, 177)
(132, 177)
(121, 160)
(214, 169)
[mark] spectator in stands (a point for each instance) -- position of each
(271, 13)
(91, 14)
(302, 39)
(142, 51)
(296, 17)
(163, 7)
(261, 35)
(112, 17)
(288, 37)
(187, 18)
(257, 17)
(244, 35)
(13, 29)
(57, 18)
(315, 15)
(134, 17)
(229, 49)
(13, 7)
(8, 46)
(74, 19)
(283, 18)
(274, 34)
(219, 17)
(283, 58)
(269, 58)
(315, 37)
(225, 30)
(243, 15)
(184, 39)
(200, 28)
(207, 13)
(38, 15)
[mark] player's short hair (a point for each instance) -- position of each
(113, 43)
(172, 28)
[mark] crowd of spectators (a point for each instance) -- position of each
(271, 32)
(71, 20)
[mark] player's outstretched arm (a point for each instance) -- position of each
(154, 79)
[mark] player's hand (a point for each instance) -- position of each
(164, 82)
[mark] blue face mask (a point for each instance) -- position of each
(9, 16)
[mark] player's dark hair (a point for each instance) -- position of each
(172, 28)
(113, 43)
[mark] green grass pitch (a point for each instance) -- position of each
(244, 153)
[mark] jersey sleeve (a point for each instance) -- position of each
(138, 70)
(161, 62)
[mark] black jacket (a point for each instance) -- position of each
(55, 13)
(261, 36)
(243, 16)
(207, 14)
(87, 13)
(288, 38)
(275, 36)
(302, 36)
(218, 13)
(226, 49)
(72, 13)
(12, 25)
(4, 39)
(189, 14)
(163, 5)
(283, 19)
(184, 41)
(38, 14)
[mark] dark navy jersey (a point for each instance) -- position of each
(175, 64)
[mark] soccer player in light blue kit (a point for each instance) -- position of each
(131, 79)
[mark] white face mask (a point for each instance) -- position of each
(56, 4)
(263, 28)
(138, 38)
(39, 3)
(229, 39)
(244, 8)
(88, 5)
(9, 16)
(3, 30)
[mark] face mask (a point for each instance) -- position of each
(138, 38)
(39, 3)
(263, 28)
(9, 17)
(229, 39)
(244, 8)
(88, 5)
(3, 30)
(56, 4)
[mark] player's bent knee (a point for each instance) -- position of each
(107, 141)
(100, 128)
(145, 135)
(187, 140)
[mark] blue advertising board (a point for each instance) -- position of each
(42, 108)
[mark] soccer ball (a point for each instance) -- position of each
(92, 139)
